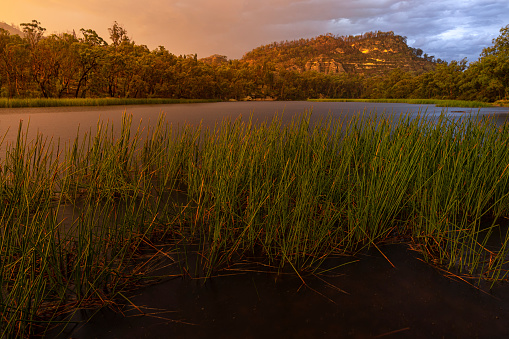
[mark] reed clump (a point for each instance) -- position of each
(437, 102)
(55, 102)
(82, 222)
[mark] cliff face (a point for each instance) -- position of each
(215, 60)
(323, 64)
(369, 54)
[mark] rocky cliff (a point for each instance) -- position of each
(215, 60)
(369, 54)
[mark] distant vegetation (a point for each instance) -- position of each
(372, 53)
(51, 102)
(437, 102)
(370, 66)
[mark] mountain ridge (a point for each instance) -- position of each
(372, 53)
(11, 29)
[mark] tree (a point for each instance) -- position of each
(66, 69)
(448, 78)
(493, 67)
(33, 32)
(118, 34)
(90, 52)
(500, 44)
(14, 64)
(45, 61)
(90, 37)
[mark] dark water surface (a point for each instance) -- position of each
(63, 122)
(364, 299)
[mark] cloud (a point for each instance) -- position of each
(448, 29)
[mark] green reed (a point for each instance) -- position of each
(82, 222)
(55, 102)
(437, 102)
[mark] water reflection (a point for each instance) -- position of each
(366, 299)
(381, 299)
(62, 123)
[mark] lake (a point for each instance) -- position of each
(63, 122)
(366, 298)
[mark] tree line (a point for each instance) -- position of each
(84, 65)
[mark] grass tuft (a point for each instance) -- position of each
(82, 222)
(42, 102)
(437, 102)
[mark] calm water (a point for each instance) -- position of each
(365, 299)
(63, 122)
(370, 298)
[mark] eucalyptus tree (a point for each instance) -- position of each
(495, 63)
(8, 74)
(425, 86)
(53, 65)
(118, 34)
(487, 78)
(66, 67)
(448, 78)
(131, 81)
(14, 65)
(500, 44)
(161, 73)
(90, 52)
(33, 32)
(116, 65)
(42, 57)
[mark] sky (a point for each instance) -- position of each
(447, 29)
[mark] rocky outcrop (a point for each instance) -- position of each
(324, 65)
(370, 54)
(215, 60)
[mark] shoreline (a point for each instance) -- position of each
(76, 102)
(42, 102)
(436, 102)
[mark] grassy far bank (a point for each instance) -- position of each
(501, 103)
(40, 102)
(438, 103)
(80, 223)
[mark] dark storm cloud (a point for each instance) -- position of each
(447, 29)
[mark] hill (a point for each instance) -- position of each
(370, 54)
(215, 60)
(12, 30)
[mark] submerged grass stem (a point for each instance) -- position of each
(80, 223)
